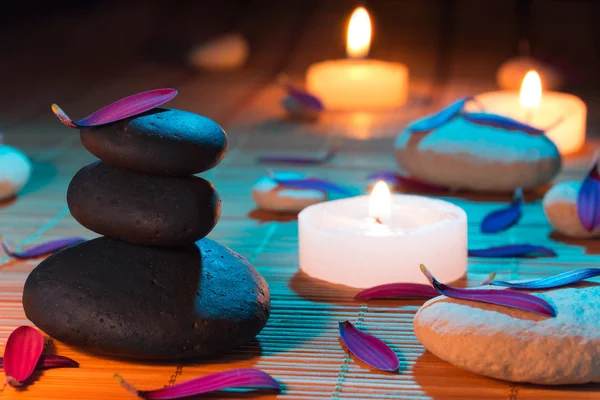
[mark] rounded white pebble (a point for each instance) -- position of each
(511, 73)
(15, 170)
(271, 197)
(516, 345)
(227, 52)
(560, 206)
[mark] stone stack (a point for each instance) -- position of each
(152, 287)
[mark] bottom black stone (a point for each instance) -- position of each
(115, 298)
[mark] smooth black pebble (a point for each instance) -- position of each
(160, 141)
(115, 298)
(141, 208)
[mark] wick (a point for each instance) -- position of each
(378, 220)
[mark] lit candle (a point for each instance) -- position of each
(382, 238)
(358, 83)
(562, 115)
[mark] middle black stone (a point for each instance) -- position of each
(141, 208)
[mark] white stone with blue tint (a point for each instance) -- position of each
(560, 206)
(15, 170)
(516, 345)
(461, 154)
(270, 196)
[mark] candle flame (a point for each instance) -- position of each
(380, 201)
(359, 34)
(531, 90)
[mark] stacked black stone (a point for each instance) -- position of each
(153, 287)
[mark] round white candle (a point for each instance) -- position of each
(564, 113)
(358, 83)
(340, 243)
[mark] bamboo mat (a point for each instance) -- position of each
(300, 345)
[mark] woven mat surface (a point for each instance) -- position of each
(300, 345)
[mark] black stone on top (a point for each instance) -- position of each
(120, 299)
(160, 141)
(141, 208)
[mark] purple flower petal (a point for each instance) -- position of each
(398, 290)
(235, 378)
(440, 118)
(272, 159)
(41, 249)
(368, 348)
(50, 361)
(508, 298)
(310, 183)
(121, 109)
(405, 290)
(513, 250)
(21, 354)
(588, 199)
(566, 278)
(503, 219)
(500, 121)
(396, 179)
(304, 98)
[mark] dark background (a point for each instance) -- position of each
(53, 47)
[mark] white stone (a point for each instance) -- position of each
(511, 73)
(463, 155)
(515, 345)
(560, 206)
(227, 52)
(268, 195)
(15, 170)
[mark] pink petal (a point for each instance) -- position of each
(121, 109)
(588, 199)
(508, 298)
(405, 290)
(41, 249)
(235, 378)
(368, 348)
(21, 354)
(49, 361)
(398, 290)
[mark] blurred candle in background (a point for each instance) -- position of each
(562, 115)
(358, 83)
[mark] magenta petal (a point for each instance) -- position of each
(54, 361)
(273, 159)
(121, 109)
(310, 183)
(50, 361)
(500, 121)
(304, 98)
(41, 249)
(588, 199)
(396, 179)
(368, 348)
(440, 118)
(508, 298)
(405, 290)
(235, 378)
(504, 218)
(21, 354)
(398, 290)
